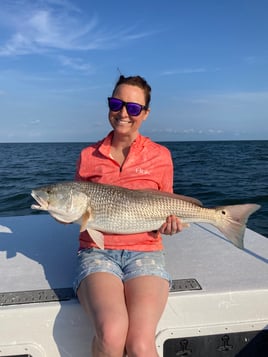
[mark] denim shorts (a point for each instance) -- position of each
(124, 264)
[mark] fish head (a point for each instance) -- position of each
(63, 202)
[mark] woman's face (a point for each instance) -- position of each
(121, 121)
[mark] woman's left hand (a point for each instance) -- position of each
(172, 225)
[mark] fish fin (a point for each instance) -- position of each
(174, 195)
(188, 199)
(97, 237)
(84, 220)
(233, 222)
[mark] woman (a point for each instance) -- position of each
(124, 288)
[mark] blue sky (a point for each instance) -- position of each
(207, 63)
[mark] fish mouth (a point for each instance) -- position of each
(43, 204)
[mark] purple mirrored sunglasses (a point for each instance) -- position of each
(133, 109)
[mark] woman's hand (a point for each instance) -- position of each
(172, 225)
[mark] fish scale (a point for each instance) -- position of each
(139, 212)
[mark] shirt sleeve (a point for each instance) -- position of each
(80, 168)
(77, 176)
(168, 172)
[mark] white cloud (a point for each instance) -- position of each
(76, 63)
(226, 99)
(36, 28)
(255, 60)
(42, 31)
(188, 131)
(246, 96)
(35, 122)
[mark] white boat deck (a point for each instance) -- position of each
(40, 317)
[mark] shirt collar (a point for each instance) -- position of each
(105, 145)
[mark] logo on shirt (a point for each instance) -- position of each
(141, 171)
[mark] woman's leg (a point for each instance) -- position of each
(102, 297)
(146, 297)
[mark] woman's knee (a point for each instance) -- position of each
(141, 347)
(111, 337)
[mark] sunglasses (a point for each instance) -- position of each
(133, 109)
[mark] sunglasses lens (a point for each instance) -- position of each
(134, 109)
(115, 104)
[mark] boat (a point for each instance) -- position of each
(217, 306)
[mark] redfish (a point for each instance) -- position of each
(105, 208)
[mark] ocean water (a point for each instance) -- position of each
(217, 173)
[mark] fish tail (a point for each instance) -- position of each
(232, 221)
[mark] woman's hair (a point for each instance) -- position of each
(138, 82)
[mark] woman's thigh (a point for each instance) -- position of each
(146, 298)
(102, 297)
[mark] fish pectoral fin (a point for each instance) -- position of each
(97, 237)
(84, 220)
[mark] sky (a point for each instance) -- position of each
(206, 61)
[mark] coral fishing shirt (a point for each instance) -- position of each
(148, 165)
